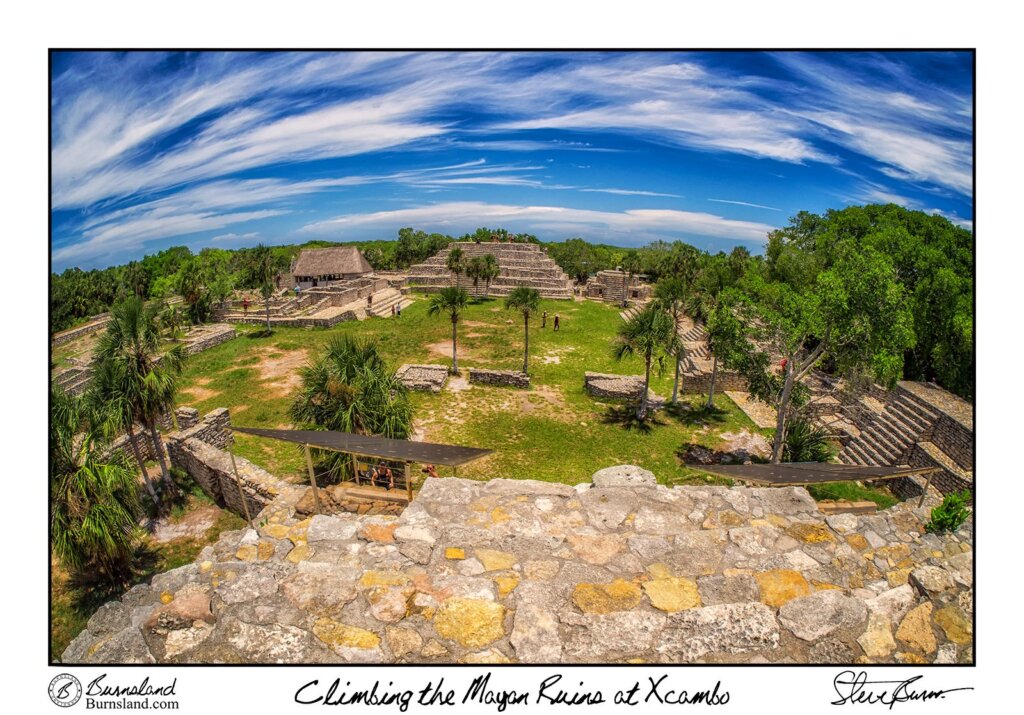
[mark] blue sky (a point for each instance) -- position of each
(151, 150)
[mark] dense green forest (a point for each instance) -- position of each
(932, 258)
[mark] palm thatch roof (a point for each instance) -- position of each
(337, 260)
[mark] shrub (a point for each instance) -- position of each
(806, 443)
(951, 513)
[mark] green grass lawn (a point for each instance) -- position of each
(554, 431)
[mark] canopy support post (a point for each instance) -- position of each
(408, 481)
(241, 493)
(312, 480)
(927, 484)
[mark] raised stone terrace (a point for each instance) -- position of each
(322, 307)
(919, 424)
(521, 264)
(617, 570)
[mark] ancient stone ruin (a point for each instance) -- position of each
(521, 264)
(617, 570)
(501, 378)
(618, 387)
(324, 306)
(424, 378)
(617, 287)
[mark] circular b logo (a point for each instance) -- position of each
(65, 690)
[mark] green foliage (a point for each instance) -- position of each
(851, 491)
(94, 501)
(580, 259)
(951, 513)
(647, 334)
(806, 442)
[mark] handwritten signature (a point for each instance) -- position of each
(852, 688)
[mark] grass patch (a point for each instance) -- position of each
(851, 491)
(553, 431)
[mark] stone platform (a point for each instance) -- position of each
(620, 570)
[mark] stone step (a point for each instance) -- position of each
(896, 436)
(924, 412)
(884, 452)
(913, 421)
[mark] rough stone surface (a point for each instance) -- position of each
(816, 616)
(624, 570)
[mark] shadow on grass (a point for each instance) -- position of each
(696, 415)
(625, 416)
(259, 334)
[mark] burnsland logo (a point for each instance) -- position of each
(65, 690)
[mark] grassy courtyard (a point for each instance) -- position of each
(554, 431)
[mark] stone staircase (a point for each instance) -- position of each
(519, 264)
(920, 425)
(383, 300)
(887, 433)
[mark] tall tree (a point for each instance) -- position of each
(94, 505)
(854, 313)
(456, 263)
(145, 379)
(451, 301)
(670, 293)
(526, 301)
(645, 334)
(475, 271)
(489, 270)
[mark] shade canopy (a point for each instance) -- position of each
(365, 445)
(795, 474)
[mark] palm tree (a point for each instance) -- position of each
(94, 503)
(172, 321)
(260, 273)
(630, 265)
(489, 270)
(104, 393)
(350, 388)
(455, 263)
(701, 305)
(670, 294)
(475, 271)
(526, 301)
(143, 378)
(644, 334)
(450, 301)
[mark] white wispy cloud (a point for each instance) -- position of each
(632, 226)
(236, 236)
(744, 203)
(631, 192)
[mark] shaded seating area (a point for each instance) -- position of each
(381, 466)
(805, 474)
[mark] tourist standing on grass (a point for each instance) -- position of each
(544, 319)
(556, 322)
(399, 311)
(392, 311)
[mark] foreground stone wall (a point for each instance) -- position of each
(503, 378)
(615, 571)
(425, 378)
(701, 382)
(199, 451)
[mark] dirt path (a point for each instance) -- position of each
(280, 373)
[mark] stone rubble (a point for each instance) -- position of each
(620, 570)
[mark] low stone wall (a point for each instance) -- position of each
(701, 382)
(424, 378)
(97, 322)
(615, 387)
(504, 378)
(212, 335)
(302, 321)
(618, 570)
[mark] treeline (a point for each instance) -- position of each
(932, 258)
